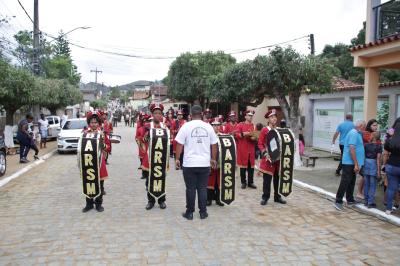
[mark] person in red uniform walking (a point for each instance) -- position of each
(270, 170)
(230, 126)
(213, 185)
(108, 130)
(207, 116)
(170, 123)
(94, 125)
(157, 114)
(246, 150)
(179, 122)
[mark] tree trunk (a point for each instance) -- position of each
(10, 117)
(295, 112)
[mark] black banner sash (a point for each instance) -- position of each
(286, 161)
(227, 164)
(89, 154)
(158, 161)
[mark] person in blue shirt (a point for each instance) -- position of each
(352, 161)
(342, 130)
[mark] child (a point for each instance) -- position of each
(372, 172)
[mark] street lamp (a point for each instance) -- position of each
(62, 35)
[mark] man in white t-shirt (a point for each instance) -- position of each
(43, 127)
(200, 144)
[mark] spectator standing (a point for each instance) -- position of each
(352, 160)
(64, 118)
(43, 128)
(342, 130)
(200, 143)
(392, 165)
(24, 138)
(371, 170)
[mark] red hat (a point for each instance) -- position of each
(221, 118)
(249, 112)
(232, 113)
(146, 117)
(155, 106)
(216, 121)
(207, 111)
(90, 115)
(270, 113)
(170, 111)
(179, 112)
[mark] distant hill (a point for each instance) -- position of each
(139, 84)
(135, 85)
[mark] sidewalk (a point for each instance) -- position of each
(13, 164)
(323, 176)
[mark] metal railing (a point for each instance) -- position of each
(387, 19)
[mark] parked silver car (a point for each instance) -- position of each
(68, 138)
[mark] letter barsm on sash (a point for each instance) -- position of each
(89, 158)
(227, 166)
(280, 143)
(158, 161)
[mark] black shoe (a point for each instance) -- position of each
(149, 206)
(23, 160)
(209, 202)
(243, 186)
(219, 203)
(280, 200)
(99, 208)
(203, 215)
(264, 202)
(372, 205)
(252, 186)
(163, 205)
(188, 215)
(350, 203)
(103, 192)
(143, 177)
(337, 173)
(35, 157)
(87, 208)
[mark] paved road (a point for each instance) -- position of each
(41, 222)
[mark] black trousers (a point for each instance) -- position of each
(267, 186)
(196, 179)
(99, 200)
(250, 174)
(24, 145)
(150, 198)
(339, 168)
(347, 184)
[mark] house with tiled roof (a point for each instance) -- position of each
(380, 51)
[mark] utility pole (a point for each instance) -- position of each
(36, 38)
(96, 71)
(312, 45)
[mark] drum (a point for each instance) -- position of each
(115, 138)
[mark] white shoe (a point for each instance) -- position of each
(388, 212)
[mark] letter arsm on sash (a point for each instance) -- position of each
(158, 161)
(89, 154)
(280, 144)
(227, 166)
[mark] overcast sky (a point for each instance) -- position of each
(169, 27)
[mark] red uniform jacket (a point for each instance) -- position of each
(178, 125)
(140, 140)
(229, 128)
(145, 139)
(171, 124)
(265, 165)
(108, 129)
(245, 147)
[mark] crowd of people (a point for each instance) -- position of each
(364, 153)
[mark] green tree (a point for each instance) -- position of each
(98, 104)
(61, 48)
(190, 75)
(115, 93)
(17, 87)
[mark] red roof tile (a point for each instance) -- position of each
(376, 43)
(360, 87)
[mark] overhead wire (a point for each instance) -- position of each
(25, 11)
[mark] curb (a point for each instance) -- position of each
(27, 168)
(358, 207)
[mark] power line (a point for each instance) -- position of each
(25, 11)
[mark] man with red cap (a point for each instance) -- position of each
(179, 122)
(157, 114)
(94, 121)
(170, 123)
(270, 170)
(140, 139)
(246, 150)
(207, 116)
(230, 126)
(108, 130)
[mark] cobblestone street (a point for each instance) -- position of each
(42, 223)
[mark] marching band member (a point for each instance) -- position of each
(213, 186)
(108, 130)
(207, 116)
(246, 150)
(230, 126)
(170, 123)
(157, 115)
(178, 124)
(270, 170)
(94, 125)
(140, 133)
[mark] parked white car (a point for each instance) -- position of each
(54, 126)
(67, 139)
